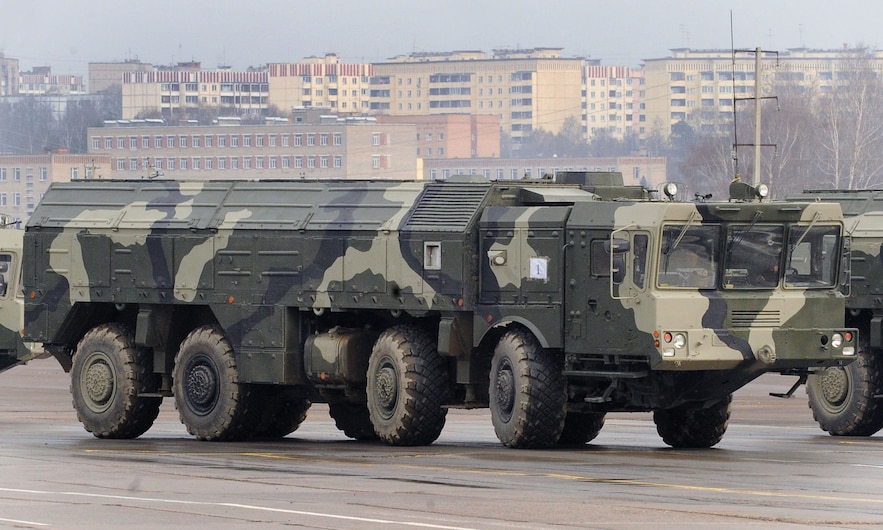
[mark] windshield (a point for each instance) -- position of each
(754, 256)
(689, 256)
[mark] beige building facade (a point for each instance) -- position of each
(9, 71)
(25, 178)
(103, 75)
(331, 147)
(614, 102)
(454, 135)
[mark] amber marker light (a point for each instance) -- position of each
(490, 319)
(230, 300)
(33, 294)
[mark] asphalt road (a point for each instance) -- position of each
(773, 469)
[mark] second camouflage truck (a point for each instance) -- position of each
(848, 401)
(394, 301)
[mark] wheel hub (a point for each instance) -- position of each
(201, 387)
(98, 383)
(386, 390)
(505, 391)
(835, 385)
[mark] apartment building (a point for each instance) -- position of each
(613, 101)
(188, 92)
(526, 89)
(25, 178)
(321, 82)
(453, 135)
(42, 82)
(700, 86)
(9, 71)
(318, 146)
(103, 75)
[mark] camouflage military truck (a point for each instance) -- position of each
(394, 301)
(848, 401)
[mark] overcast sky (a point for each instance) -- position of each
(68, 34)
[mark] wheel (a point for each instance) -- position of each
(527, 392)
(353, 419)
(581, 428)
(691, 426)
(843, 399)
(280, 412)
(211, 401)
(407, 386)
(108, 377)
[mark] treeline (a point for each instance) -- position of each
(31, 125)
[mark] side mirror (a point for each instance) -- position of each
(616, 248)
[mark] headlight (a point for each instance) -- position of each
(837, 340)
(670, 189)
(763, 190)
(679, 340)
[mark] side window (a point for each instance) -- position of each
(5, 271)
(639, 260)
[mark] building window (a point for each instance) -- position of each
(375, 139)
(194, 163)
(323, 162)
(208, 163)
(157, 142)
(145, 142)
(298, 161)
(108, 143)
(311, 140)
(375, 162)
(2, 174)
(246, 162)
(96, 142)
(259, 162)
(311, 162)
(234, 162)
(3, 199)
(323, 139)
(121, 143)
(208, 140)
(286, 162)
(285, 140)
(44, 174)
(272, 140)
(246, 140)
(222, 140)
(170, 141)
(234, 141)
(16, 199)
(338, 161)
(182, 142)
(171, 164)
(259, 141)
(298, 140)
(273, 162)
(337, 139)
(183, 163)
(121, 164)
(222, 163)
(194, 142)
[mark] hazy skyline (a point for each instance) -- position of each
(67, 35)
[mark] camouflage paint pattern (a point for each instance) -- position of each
(272, 262)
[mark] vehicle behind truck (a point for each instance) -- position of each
(392, 302)
(848, 401)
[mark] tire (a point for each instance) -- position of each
(528, 392)
(843, 399)
(353, 419)
(581, 428)
(278, 410)
(108, 377)
(211, 401)
(407, 386)
(692, 427)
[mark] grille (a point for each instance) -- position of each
(446, 207)
(764, 318)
